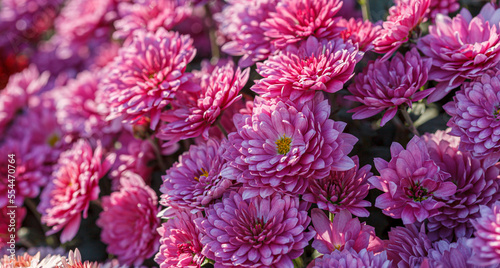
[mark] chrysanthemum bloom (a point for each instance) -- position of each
(24, 260)
(351, 258)
(298, 72)
(407, 246)
(6, 217)
(75, 184)
(180, 244)
(387, 85)
(360, 32)
(218, 92)
(485, 243)
(344, 232)
(451, 255)
(342, 190)
(255, 232)
(296, 20)
(74, 260)
(403, 19)
(195, 180)
(461, 48)
(413, 184)
(149, 15)
(240, 22)
(443, 7)
(283, 145)
(477, 184)
(129, 221)
(475, 113)
(146, 74)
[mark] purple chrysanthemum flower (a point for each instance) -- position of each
(444, 7)
(297, 72)
(342, 190)
(147, 73)
(282, 145)
(218, 92)
(351, 258)
(486, 243)
(475, 114)
(180, 244)
(413, 184)
(360, 32)
(194, 181)
(129, 222)
(387, 85)
(255, 232)
(461, 48)
(403, 18)
(75, 184)
(408, 247)
(477, 184)
(444, 254)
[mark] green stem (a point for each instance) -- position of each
(365, 9)
(157, 152)
(408, 120)
(222, 129)
(212, 34)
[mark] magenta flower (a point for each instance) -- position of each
(461, 48)
(487, 235)
(475, 114)
(195, 180)
(6, 215)
(342, 190)
(444, 7)
(180, 244)
(360, 32)
(75, 184)
(218, 92)
(451, 255)
(297, 72)
(477, 184)
(255, 232)
(412, 183)
(129, 221)
(282, 145)
(147, 73)
(351, 258)
(387, 85)
(344, 232)
(403, 19)
(408, 247)
(297, 20)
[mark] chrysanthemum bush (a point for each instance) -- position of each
(249, 133)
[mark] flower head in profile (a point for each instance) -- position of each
(361, 33)
(408, 246)
(255, 232)
(74, 260)
(282, 145)
(146, 75)
(461, 48)
(297, 72)
(485, 243)
(351, 258)
(387, 85)
(413, 184)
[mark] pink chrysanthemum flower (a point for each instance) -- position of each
(408, 247)
(412, 183)
(444, 254)
(147, 73)
(298, 72)
(74, 260)
(344, 232)
(255, 232)
(180, 244)
(283, 145)
(444, 7)
(297, 20)
(194, 181)
(129, 221)
(387, 85)
(351, 258)
(218, 92)
(6, 216)
(149, 15)
(485, 244)
(475, 114)
(403, 18)
(342, 190)
(361, 33)
(75, 184)
(477, 184)
(461, 48)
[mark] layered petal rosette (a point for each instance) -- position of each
(351, 258)
(413, 184)
(461, 48)
(408, 246)
(361, 33)
(255, 232)
(298, 71)
(282, 145)
(485, 244)
(451, 255)
(387, 85)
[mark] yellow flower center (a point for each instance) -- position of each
(203, 173)
(53, 139)
(283, 145)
